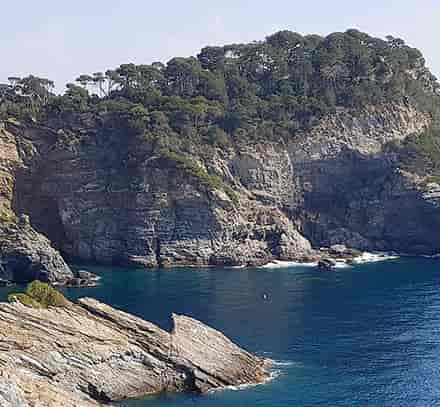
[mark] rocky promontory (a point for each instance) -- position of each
(241, 156)
(89, 354)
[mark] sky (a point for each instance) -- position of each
(60, 40)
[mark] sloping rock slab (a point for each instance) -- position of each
(88, 354)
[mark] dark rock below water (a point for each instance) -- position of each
(86, 354)
(83, 278)
(326, 263)
(5, 283)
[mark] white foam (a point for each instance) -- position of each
(282, 264)
(340, 264)
(281, 363)
(433, 256)
(367, 257)
(272, 376)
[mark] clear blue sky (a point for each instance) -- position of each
(61, 39)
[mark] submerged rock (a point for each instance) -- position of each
(5, 283)
(87, 354)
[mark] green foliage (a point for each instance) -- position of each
(195, 170)
(39, 295)
(285, 83)
(25, 97)
(217, 137)
(45, 294)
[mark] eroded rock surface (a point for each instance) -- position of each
(25, 254)
(338, 183)
(10, 394)
(88, 354)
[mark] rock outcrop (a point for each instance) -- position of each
(25, 254)
(353, 187)
(89, 354)
(338, 183)
(242, 155)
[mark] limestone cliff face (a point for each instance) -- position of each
(338, 183)
(354, 190)
(99, 206)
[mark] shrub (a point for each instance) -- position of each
(39, 295)
(193, 169)
(45, 294)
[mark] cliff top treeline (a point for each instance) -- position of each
(277, 86)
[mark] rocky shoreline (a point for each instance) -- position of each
(90, 354)
(58, 203)
(328, 258)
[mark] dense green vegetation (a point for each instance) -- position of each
(39, 295)
(237, 93)
(287, 80)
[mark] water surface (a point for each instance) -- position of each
(365, 336)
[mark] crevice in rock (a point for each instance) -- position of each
(43, 210)
(158, 252)
(96, 394)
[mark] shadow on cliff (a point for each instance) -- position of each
(366, 202)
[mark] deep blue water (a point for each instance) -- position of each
(366, 336)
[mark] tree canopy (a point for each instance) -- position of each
(284, 83)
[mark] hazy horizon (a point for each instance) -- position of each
(51, 40)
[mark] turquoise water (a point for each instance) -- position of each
(366, 336)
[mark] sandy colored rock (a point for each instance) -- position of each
(88, 354)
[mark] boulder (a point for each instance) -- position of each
(326, 263)
(26, 255)
(338, 249)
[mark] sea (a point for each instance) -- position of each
(367, 335)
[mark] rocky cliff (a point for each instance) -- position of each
(246, 154)
(90, 354)
(338, 183)
(25, 254)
